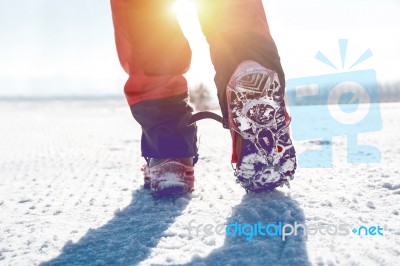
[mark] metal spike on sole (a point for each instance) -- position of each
(287, 183)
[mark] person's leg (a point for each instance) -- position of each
(251, 87)
(155, 54)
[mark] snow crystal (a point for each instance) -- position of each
(370, 205)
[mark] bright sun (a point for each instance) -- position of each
(182, 7)
(201, 69)
(185, 11)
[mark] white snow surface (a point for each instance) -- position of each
(71, 194)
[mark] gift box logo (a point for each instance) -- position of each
(341, 104)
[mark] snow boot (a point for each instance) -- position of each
(169, 177)
(259, 124)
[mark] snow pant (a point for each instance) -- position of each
(155, 54)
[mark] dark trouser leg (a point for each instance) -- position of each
(165, 127)
(237, 31)
(155, 55)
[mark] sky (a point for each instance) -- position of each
(64, 48)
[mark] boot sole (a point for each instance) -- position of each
(257, 113)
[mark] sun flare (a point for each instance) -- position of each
(182, 7)
(201, 68)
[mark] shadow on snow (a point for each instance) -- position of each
(268, 207)
(127, 239)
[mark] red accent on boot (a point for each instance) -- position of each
(287, 120)
(234, 155)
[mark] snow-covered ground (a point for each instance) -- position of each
(71, 194)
